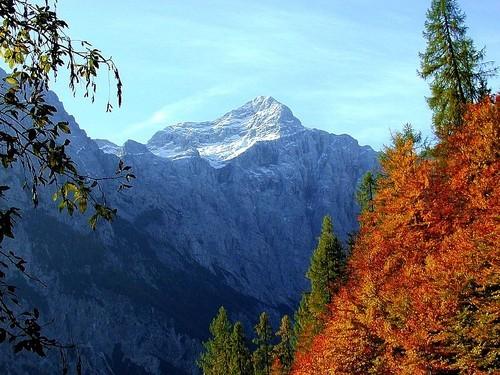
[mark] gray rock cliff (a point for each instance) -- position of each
(224, 212)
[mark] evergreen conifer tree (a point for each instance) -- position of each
(240, 361)
(215, 360)
(326, 267)
(301, 319)
(452, 64)
(283, 351)
(262, 356)
(324, 272)
(366, 192)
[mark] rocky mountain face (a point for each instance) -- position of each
(219, 141)
(224, 212)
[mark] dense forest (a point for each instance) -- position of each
(422, 288)
(419, 290)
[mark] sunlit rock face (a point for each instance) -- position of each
(220, 141)
(224, 212)
(251, 189)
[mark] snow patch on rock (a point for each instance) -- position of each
(262, 119)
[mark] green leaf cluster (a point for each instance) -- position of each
(35, 45)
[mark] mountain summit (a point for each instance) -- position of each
(188, 237)
(262, 119)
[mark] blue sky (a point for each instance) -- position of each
(342, 66)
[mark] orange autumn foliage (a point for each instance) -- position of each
(423, 291)
(277, 368)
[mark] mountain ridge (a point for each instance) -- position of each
(262, 119)
(189, 237)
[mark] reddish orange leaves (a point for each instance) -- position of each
(424, 286)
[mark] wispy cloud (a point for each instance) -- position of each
(341, 66)
(179, 110)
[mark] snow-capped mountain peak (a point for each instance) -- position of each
(262, 119)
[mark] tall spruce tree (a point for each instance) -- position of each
(326, 268)
(453, 65)
(283, 351)
(262, 357)
(215, 360)
(327, 263)
(240, 360)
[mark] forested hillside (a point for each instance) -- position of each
(419, 292)
(423, 279)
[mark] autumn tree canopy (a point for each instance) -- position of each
(423, 287)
